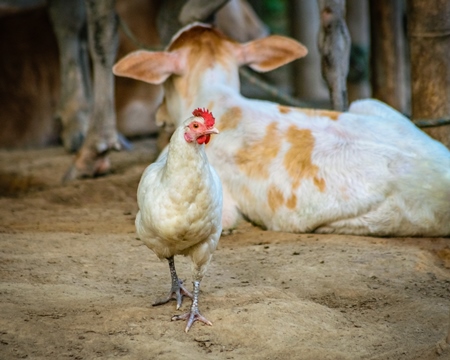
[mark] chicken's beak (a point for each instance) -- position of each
(212, 130)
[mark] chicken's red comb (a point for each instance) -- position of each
(206, 115)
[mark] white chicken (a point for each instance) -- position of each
(180, 207)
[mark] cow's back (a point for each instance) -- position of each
(359, 173)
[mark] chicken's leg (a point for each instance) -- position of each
(194, 314)
(177, 290)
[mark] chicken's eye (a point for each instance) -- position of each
(195, 125)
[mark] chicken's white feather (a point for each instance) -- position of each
(180, 203)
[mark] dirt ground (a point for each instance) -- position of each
(76, 283)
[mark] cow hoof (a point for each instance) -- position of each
(73, 142)
(88, 164)
(74, 130)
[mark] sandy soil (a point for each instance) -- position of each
(76, 283)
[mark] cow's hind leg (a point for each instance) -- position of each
(92, 159)
(69, 25)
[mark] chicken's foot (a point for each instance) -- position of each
(194, 314)
(177, 290)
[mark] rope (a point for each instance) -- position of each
(426, 123)
(272, 90)
(431, 34)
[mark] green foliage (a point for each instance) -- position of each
(274, 14)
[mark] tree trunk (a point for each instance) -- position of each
(389, 80)
(429, 39)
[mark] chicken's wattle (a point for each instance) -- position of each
(203, 139)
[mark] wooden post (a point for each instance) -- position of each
(334, 47)
(388, 57)
(447, 339)
(429, 40)
(358, 23)
(304, 26)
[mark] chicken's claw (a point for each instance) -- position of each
(176, 292)
(191, 317)
(194, 314)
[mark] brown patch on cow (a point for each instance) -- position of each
(297, 160)
(247, 195)
(275, 198)
(320, 183)
(196, 34)
(199, 48)
(284, 109)
(254, 160)
(332, 115)
(230, 119)
(291, 203)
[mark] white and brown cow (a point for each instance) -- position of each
(365, 171)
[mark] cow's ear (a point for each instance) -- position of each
(270, 52)
(148, 66)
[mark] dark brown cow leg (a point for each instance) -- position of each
(92, 159)
(69, 20)
(199, 10)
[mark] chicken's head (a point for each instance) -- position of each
(201, 127)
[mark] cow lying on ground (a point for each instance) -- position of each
(368, 171)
